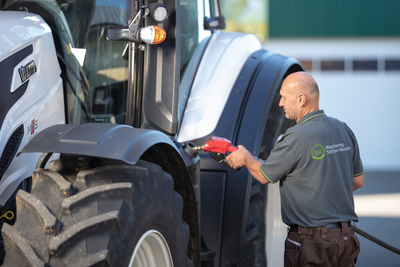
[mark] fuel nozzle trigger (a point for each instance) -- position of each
(218, 147)
(221, 159)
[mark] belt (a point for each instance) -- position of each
(294, 228)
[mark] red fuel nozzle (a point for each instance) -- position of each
(218, 145)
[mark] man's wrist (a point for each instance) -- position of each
(245, 159)
(256, 158)
(248, 158)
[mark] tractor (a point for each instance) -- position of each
(101, 105)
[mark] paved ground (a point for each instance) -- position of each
(378, 208)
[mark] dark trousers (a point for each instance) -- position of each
(322, 247)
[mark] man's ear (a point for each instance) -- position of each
(302, 99)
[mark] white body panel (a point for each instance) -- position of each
(42, 102)
(219, 68)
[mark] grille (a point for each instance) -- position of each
(11, 149)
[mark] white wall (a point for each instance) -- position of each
(368, 101)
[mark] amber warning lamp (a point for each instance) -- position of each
(153, 34)
(136, 33)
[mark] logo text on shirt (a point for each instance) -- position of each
(336, 148)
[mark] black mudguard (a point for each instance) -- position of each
(111, 141)
(127, 144)
(225, 192)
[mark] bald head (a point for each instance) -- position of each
(302, 83)
(300, 95)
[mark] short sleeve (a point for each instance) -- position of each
(280, 161)
(358, 168)
(357, 163)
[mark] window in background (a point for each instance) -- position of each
(307, 64)
(333, 64)
(365, 64)
(392, 64)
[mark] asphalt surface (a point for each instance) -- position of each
(378, 208)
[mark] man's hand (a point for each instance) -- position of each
(237, 159)
(242, 157)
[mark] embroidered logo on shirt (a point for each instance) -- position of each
(317, 152)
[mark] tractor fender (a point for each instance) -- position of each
(110, 141)
(127, 144)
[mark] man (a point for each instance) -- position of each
(318, 165)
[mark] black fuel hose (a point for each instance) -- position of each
(377, 241)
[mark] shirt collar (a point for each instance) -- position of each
(310, 116)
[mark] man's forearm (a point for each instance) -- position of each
(253, 166)
(358, 182)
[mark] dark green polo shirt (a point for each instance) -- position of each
(315, 162)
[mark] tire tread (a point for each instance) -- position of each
(27, 201)
(20, 246)
(96, 213)
(59, 243)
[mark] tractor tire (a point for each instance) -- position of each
(80, 214)
(254, 251)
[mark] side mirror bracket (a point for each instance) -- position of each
(123, 33)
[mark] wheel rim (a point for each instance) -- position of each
(151, 250)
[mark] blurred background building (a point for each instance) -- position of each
(352, 49)
(248, 16)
